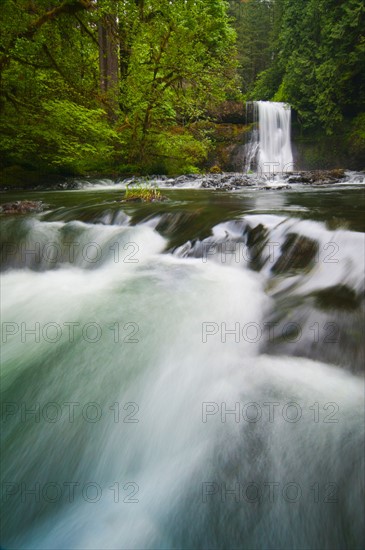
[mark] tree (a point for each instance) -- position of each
(178, 59)
(142, 70)
(318, 61)
(253, 21)
(49, 74)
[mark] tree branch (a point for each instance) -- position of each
(87, 31)
(66, 7)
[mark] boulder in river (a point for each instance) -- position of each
(297, 252)
(22, 207)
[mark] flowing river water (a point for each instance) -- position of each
(184, 374)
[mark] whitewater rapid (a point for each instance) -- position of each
(139, 415)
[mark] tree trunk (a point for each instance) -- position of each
(108, 62)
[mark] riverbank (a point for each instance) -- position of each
(220, 181)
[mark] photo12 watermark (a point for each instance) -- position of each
(253, 492)
(74, 252)
(53, 412)
(271, 251)
(253, 412)
(70, 332)
(53, 492)
(269, 332)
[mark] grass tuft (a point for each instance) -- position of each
(143, 193)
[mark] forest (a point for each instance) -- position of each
(182, 253)
(139, 86)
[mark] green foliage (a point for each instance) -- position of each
(176, 60)
(180, 62)
(357, 135)
(266, 82)
(143, 193)
(80, 138)
(62, 136)
(318, 60)
(174, 151)
(253, 21)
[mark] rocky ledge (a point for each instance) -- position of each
(317, 177)
(233, 181)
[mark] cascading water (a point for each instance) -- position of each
(269, 150)
(137, 415)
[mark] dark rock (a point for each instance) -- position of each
(241, 181)
(226, 182)
(211, 182)
(69, 185)
(276, 188)
(256, 235)
(232, 112)
(317, 177)
(297, 252)
(256, 240)
(337, 297)
(298, 178)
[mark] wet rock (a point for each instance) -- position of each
(210, 183)
(227, 182)
(158, 177)
(256, 240)
(297, 252)
(70, 185)
(317, 177)
(276, 188)
(186, 178)
(22, 207)
(241, 181)
(299, 178)
(256, 235)
(337, 297)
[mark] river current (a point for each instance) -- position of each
(184, 374)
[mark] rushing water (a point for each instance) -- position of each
(269, 150)
(182, 375)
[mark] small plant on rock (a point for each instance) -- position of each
(143, 193)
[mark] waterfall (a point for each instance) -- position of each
(269, 150)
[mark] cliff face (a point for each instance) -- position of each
(228, 151)
(326, 152)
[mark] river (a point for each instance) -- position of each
(184, 374)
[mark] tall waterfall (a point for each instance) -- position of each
(269, 150)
